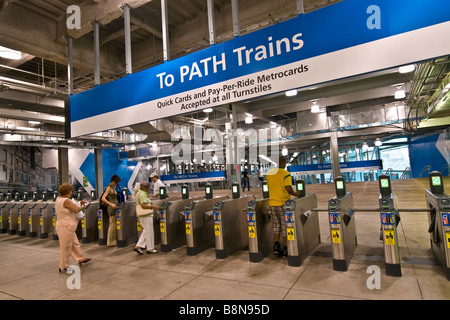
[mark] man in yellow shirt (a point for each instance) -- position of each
(280, 189)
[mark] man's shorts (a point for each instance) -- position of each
(279, 224)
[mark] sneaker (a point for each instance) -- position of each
(277, 249)
(285, 253)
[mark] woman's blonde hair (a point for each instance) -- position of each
(65, 188)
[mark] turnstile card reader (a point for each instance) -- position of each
(208, 191)
(260, 230)
(230, 226)
(300, 186)
(439, 221)
(235, 191)
(265, 190)
(302, 228)
(163, 193)
(185, 192)
(342, 226)
(199, 225)
(390, 219)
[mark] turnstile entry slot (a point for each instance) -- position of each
(390, 219)
(439, 220)
(302, 228)
(343, 235)
(230, 226)
(199, 225)
(260, 230)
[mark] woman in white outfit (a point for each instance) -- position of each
(147, 238)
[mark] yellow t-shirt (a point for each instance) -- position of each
(277, 180)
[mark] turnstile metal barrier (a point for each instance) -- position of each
(3, 217)
(45, 218)
(126, 223)
(302, 228)
(390, 219)
(89, 222)
(199, 224)
(22, 216)
(230, 226)
(260, 229)
(342, 226)
(439, 220)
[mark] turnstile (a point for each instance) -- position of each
(46, 211)
(439, 221)
(342, 226)
(3, 217)
(172, 223)
(390, 219)
(302, 228)
(89, 222)
(22, 216)
(260, 230)
(199, 225)
(230, 226)
(13, 214)
(126, 224)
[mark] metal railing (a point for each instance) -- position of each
(426, 168)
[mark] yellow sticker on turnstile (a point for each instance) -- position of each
(251, 232)
(99, 224)
(447, 235)
(336, 235)
(162, 226)
(389, 237)
(139, 228)
(82, 223)
(40, 221)
(217, 230)
(290, 234)
(118, 224)
(188, 228)
(54, 222)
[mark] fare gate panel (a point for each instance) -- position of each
(230, 226)
(199, 225)
(260, 230)
(342, 227)
(302, 228)
(439, 221)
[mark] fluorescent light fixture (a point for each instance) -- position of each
(249, 119)
(273, 125)
(315, 108)
(407, 69)
(10, 53)
(400, 94)
(284, 151)
(208, 110)
(291, 93)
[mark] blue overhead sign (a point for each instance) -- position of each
(327, 167)
(194, 177)
(345, 39)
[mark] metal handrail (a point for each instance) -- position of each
(446, 166)
(426, 168)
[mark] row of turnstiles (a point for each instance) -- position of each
(232, 224)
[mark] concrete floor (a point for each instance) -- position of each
(30, 266)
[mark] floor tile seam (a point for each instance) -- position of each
(307, 262)
(244, 281)
(11, 295)
(183, 285)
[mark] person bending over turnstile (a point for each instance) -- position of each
(144, 211)
(66, 225)
(280, 188)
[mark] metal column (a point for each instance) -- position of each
(236, 23)
(334, 154)
(127, 30)
(211, 23)
(70, 63)
(165, 30)
(96, 52)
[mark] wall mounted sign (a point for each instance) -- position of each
(345, 39)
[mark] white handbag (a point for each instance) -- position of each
(140, 212)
